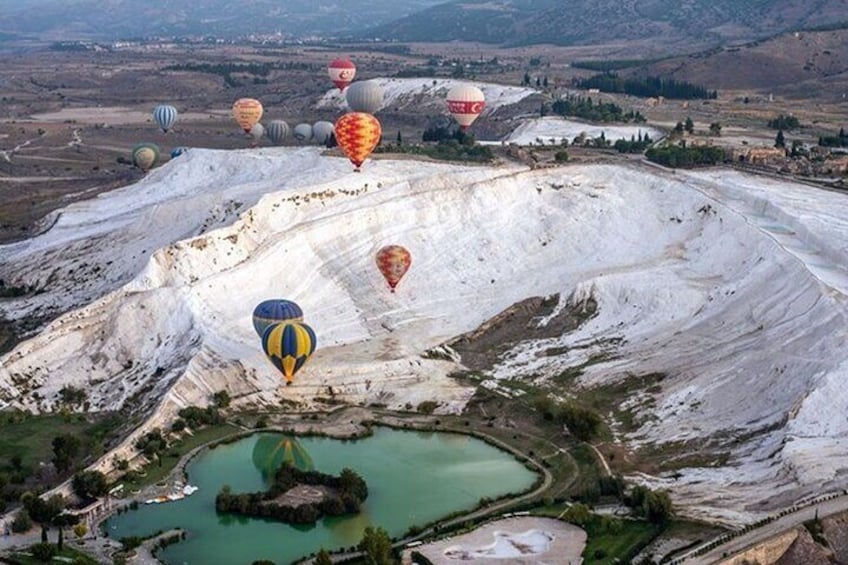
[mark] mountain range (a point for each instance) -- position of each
(571, 22)
(112, 19)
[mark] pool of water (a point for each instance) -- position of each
(413, 478)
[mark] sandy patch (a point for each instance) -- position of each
(111, 115)
(522, 540)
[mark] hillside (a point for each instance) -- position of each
(792, 61)
(571, 22)
(61, 19)
(731, 286)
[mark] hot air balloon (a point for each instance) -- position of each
(145, 155)
(321, 132)
(303, 132)
(277, 131)
(364, 96)
(257, 131)
(272, 451)
(358, 134)
(341, 72)
(465, 102)
(247, 113)
(177, 151)
(270, 312)
(165, 116)
(288, 346)
(393, 261)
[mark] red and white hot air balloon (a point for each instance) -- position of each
(465, 102)
(341, 72)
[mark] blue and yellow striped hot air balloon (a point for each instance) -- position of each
(288, 345)
(270, 312)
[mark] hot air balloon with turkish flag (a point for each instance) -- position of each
(358, 133)
(465, 103)
(341, 72)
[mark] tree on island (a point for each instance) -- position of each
(323, 558)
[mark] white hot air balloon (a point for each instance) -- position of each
(277, 131)
(321, 131)
(303, 132)
(364, 96)
(165, 116)
(257, 131)
(465, 103)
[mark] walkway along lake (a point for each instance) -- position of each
(413, 478)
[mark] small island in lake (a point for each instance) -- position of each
(299, 497)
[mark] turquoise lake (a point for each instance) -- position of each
(413, 478)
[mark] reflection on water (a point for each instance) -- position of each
(271, 451)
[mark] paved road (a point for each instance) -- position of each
(770, 530)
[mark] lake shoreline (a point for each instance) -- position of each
(363, 424)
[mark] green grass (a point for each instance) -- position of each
(155, 473)
(32, 438)
(590, 474)
(613, 538)
(69, 552)
(615, 542)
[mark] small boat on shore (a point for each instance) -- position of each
(179, 494)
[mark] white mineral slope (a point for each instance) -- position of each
(748, 318)
(716, 279)
(552, 130)
(399, 93)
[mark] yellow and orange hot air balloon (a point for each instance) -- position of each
(247, 113)
(393, 261)
(358, 133)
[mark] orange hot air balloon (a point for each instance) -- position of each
(247, 113)
(341, 72)
(358, 134)
(393, 261)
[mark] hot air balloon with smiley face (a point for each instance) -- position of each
(393, 262)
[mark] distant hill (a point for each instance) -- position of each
(71, 19)
(569, 22)
(788, 60)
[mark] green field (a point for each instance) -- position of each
(31, 437)
(72, 556)
(608, 545)
(154, 472)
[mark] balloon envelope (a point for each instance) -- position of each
(341, 72)
(247, 113)
(277, 131)
(165, 116)
(303, 132)
(288, 346)
(145, 155)
(270, 312)
(321, 131)
(177, 151)
(358, 134)
(465, 103)
(257, 131)
(364, 96)
(393, 262)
